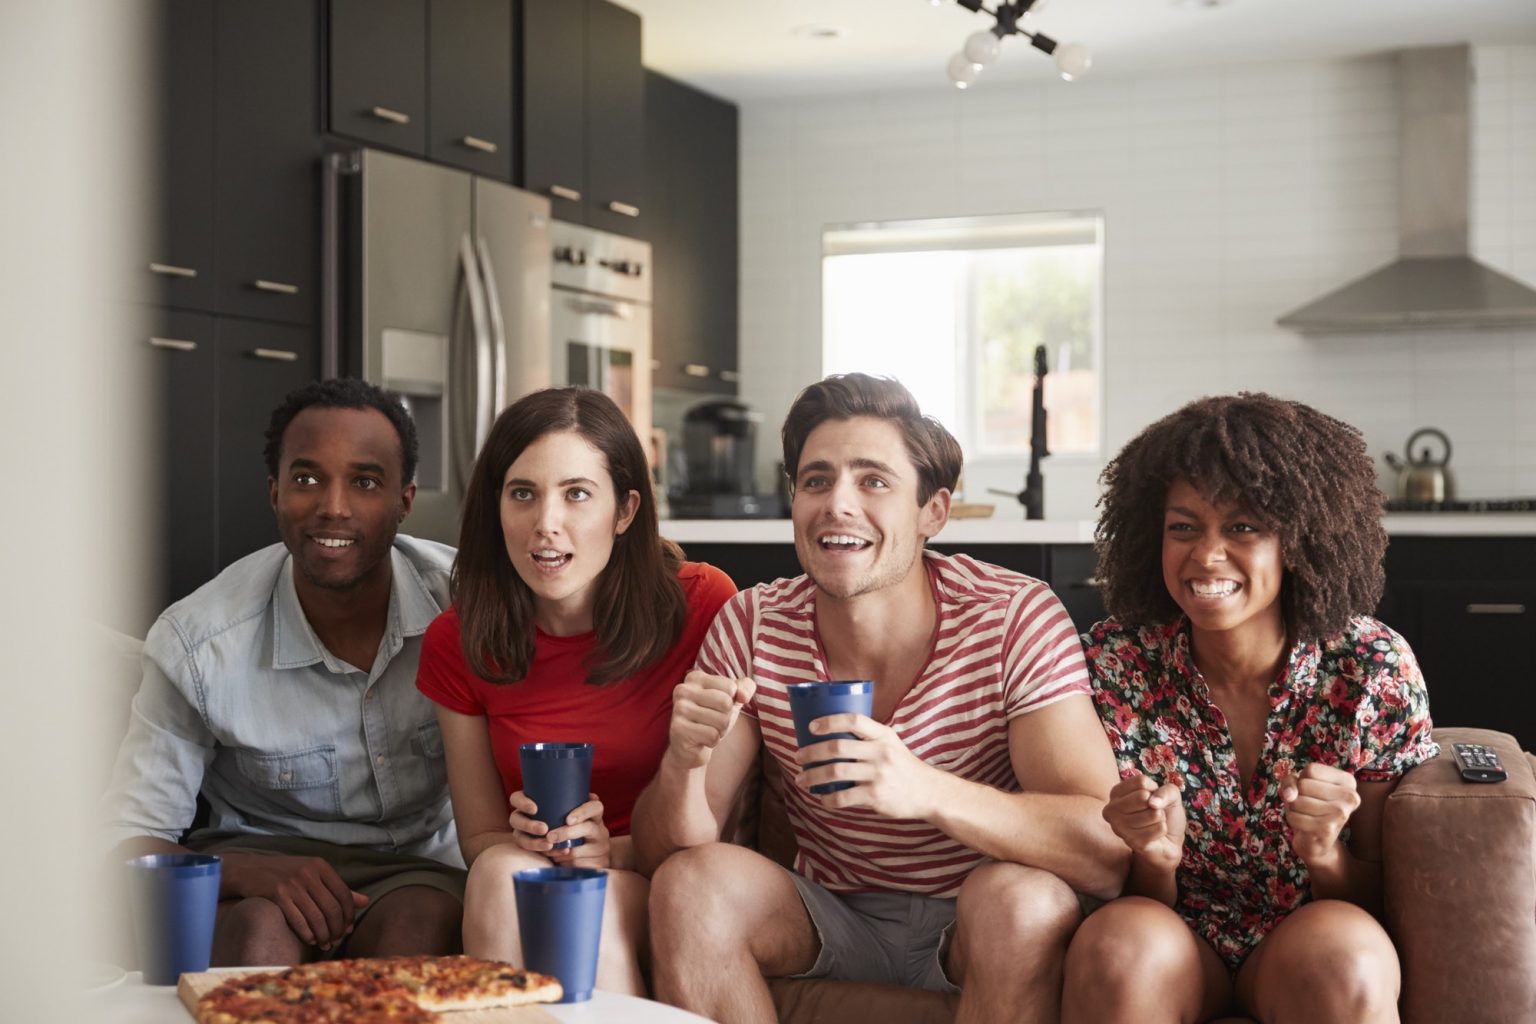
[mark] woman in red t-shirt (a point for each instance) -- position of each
(572, 621)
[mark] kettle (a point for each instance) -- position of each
(1424, 478)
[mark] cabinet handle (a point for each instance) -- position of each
(696, 369)
(624, 208)
(280, 355)
(1091, 583)
(730, 376)
(173, 343)
(275, 286)
(475, 142)
(171, 270)
(561, 192)
(393, 116)
(1495, 609)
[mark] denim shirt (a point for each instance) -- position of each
(241, 701)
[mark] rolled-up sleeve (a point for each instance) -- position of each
(167, 748)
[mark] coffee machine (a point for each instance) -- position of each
(716, 478)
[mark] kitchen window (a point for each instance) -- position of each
(954, 309)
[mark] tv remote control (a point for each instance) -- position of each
(1478, 763)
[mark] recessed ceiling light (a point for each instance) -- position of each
(1201, 4)
(818, 32)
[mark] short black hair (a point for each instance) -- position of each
(342, 393)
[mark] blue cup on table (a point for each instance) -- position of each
(560, 920)
(558, 778)
(175, 897)
(810, 701)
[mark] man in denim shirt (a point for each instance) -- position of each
(284, 691)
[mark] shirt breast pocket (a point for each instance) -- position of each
(427, 744)
(303, 782)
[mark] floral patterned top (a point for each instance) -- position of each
(1355, 701)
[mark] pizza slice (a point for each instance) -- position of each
(446, 983)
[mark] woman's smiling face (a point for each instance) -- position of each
(1221, 564)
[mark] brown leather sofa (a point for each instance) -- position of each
(1460, 884)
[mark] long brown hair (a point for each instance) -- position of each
(640, 609)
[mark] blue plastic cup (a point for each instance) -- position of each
(560, 919)
(810, 701)
(175, 897)
(558, 778)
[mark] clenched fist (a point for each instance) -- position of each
(1318, 804)
(1149, 819)
(704, 707)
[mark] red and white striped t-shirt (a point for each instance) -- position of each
(1004, 647)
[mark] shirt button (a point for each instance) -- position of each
(369, 695)
(379, 759)
(286, 776)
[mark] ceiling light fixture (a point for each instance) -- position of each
(982, 48)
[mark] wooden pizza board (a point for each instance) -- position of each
(193, 987)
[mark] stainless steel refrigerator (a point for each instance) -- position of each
(438, 290)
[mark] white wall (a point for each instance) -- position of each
(1231, 195)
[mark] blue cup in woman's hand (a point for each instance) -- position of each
(810, 701)
(558, 778)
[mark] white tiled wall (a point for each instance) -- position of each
(1230, 196)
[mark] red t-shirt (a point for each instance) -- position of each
(625, 721)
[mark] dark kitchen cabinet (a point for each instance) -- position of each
(258, 363)
(582, 96)
(378, 72)
(615, 119)
(266, 159)
(469, 91)
(176, 266)
(691, 146)
(179, 350)
(1466, 605)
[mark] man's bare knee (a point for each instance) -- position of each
(254, 931)
(415, 919)
(1012, 903)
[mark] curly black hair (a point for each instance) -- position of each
(1300, 472)
(342, 393)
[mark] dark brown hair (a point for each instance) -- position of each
(640, 609)
(1300, 472)
(842, 396)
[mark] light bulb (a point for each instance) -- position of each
(961, 71)
(1073, 60)
(981, 48)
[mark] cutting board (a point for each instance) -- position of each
(193, 987)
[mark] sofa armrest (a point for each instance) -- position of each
(1459, 878)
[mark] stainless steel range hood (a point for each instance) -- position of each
(1434, 283)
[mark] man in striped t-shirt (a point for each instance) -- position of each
(978, 781)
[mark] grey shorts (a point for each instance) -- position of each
(892, 937)
(373, 873)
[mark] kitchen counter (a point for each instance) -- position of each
(1461, 524)
(957, 532)
(1080, 531)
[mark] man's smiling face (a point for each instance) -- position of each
(339, 494)
(858, 525)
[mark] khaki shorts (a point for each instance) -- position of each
(896, 938)
(374, 873)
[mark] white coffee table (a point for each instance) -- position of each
(133, 1002)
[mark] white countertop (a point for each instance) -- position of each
(1461, 524)
(998, 530)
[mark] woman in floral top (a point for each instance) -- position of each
(1259, 717)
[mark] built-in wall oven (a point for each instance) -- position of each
(600, 317)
